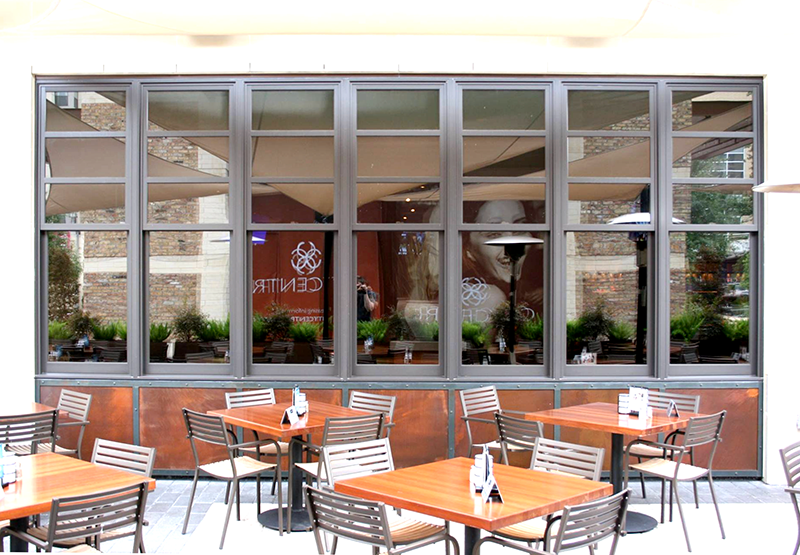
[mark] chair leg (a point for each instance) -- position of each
(694, 484)
(280, 500)
(238, 502)
(227, 492)
(289, 500)
(670, 502)
(258, 494)
(191, 500)
(641, 479)
(680, 514)
(234, 488)
(335, 543)
(663, 498)
(716, 507)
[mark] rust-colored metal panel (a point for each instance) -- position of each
(523, 400)
(572, 397)
(161, 424)
(110, 416)
(739, 447)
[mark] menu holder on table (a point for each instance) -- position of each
(638, 400)
(672, 410)
(290, 416)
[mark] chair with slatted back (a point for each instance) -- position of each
(701, 430)
(76, 405)
(210, 429)
(27, 434)
(366, 522)
(202, 356)
(790, 456)
(690, 353)
(373, 402)
(578, 526)
(286, 346)
(481, 400)
(80, 520)
(365, 358)
(517, 434)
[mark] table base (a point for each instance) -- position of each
(471, 537)
(638, 523)
(300, 521)
(17, 544)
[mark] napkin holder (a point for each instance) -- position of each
(672, 410)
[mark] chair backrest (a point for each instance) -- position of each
(791, 463)
(702, 430)
(200, 357)
(75, 404)
(236, 399)
(86, 516)
(124, 456)
(586, 524)
(287, 346)
(32, 428)
(479, 400)
(569, 458)
(365, 358)
(350, 460)
(352, 429)
(518, 432)
(373, 402)
(661, 399)
(205, 427)
(347, 517)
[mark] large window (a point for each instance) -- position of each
(344, 227)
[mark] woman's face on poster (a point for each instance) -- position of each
(493, 259)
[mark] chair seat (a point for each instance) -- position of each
(407, 530)
(268, 449)
(496, 445)
(41, 533)
(312, 468)
(641, 450)
(245, 466)
(25, 449)
(530, 530)
(83, 548)
(665, 468)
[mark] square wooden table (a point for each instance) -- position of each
(442, 489)
(266, 419)
(48, 476)
(13, 408)
(603, 417)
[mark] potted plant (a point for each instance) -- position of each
(475, 334)
(303, 334)
(276, 322)
(59, 333)
(738, 333)
(376, 329)
(104, 334)
(576, 335)
(531, 329)
(187, 325)
(81, 324)
(159, 333)
(686, 325)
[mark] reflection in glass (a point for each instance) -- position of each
(606, 292)
(504, 156)
(402, 203)
(485, 286)
(712, 111)
(187, 110)
(709, 298)
(504, 109)
(593, 203)
(291, 203)
(292, 294)
(194, 157)
(85, 157)
(293, 157)
(292, 110)
(398, 156)
(398, 109)
(609, 110)
(609, 157)
(85, 203)
(187, 203)
(397, 297)
(482, 199)
(189, 296)
(717, 158)
(713, 204)
(87, 296)
(85, 111)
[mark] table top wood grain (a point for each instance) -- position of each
(13, 408)
(48, 476)
(442, 489)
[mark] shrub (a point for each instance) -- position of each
(104, 332)
(277, 322)
(122, 329)
(575, 331)
(304, 332)
(376, 329)
(424, 331)
(687, 324)
(737, 330)
(259, 333)
(621, 331)
(188, 323)
(501, 316)
(215, 330)
(531, 329)
(81, 324)
(160, 332)
(58, 330)
(475, 334)
(596, 321)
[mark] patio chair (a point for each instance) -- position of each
(211, 429)
(81, 520)
(202, 356)
(481, 400)
(701, 430)
(373, 402)
(365, 358)
(76, 405)
(28, 434)
(366, 522)
(791, 465)
(517, 434)
(578, 526)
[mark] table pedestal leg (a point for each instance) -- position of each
(471, 537)
(300, 522)
(18, 545)
(635, 523)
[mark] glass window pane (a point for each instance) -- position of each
(87, 296)
(504, 156)
(398, 109)
(609, 157)
(85, 111)
(712, 204)
(292, 110)
(508, 203)
(85, 157)
(712, 111)
(518, 110)
(293, 157)
(609, 110)
(606, 290)
(398, 156)
(397, 297)
(85, 203)
(485, 310)
(194, 157)
(402, 203)
(189, 296)
(290, 203)
(187, 203)
(187, 110)
(719, 158)
(709, 298)
(293, 291)
(592, 203)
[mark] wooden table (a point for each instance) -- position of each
(442, 489)
(266, 419)
(13, 408)
(48, 476)
(603, 417)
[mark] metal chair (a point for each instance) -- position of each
(517, 434)
(373, 402)
(701, 430)
(202, 356)
(791, 465)
(366, 522)
(479, 401)
(211, 429)
(83, 519)
(28, 434)
(578, 526)
(77, 406)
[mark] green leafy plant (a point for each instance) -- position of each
(277, 322)
(501, 316)
(376, 329)
(304, 332)
(531, 329)
(737, 330)
(575, 331)
(424, 331)
(687, 324)
(474, 333)
(621, 331)
(596, 321)
(215, 330)
(58, 330)
(259, 333)
(160, 332)
(188, 323)
(122, 329)
(104, 332)
(398, 327)
(81, 323)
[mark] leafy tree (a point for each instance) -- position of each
(63, 278)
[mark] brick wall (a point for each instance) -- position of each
(170, 292)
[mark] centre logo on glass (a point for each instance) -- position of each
(474, 291)
(306, 260)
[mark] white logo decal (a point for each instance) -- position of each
(473, 291)
(306, 261)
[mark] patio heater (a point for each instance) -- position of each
(515, 247)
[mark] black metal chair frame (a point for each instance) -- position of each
(33, 428)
